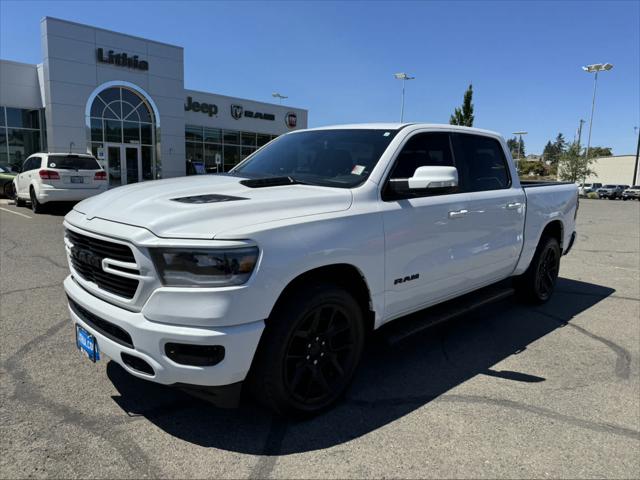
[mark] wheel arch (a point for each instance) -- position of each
(345, 275)
(553, 229)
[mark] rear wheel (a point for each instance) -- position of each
(36, 206)
(537, 284)
(309, 351)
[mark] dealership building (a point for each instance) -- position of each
(123, 99)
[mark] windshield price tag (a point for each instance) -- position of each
(357, 170)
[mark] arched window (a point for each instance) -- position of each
(119, 115)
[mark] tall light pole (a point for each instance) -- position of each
(635, 168)
(279, 96)
(595, 68)
(519, 144)
(404, 77)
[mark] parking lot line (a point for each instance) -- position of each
(15, 213)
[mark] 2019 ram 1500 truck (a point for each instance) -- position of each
(273, 273)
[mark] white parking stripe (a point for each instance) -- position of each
(15, 213)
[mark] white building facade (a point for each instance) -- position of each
(123, 99)
(617, 170)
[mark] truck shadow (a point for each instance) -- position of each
(391, 383)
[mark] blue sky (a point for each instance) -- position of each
(337, 59)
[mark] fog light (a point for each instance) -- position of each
(194, 355)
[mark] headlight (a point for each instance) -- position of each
(197, 267)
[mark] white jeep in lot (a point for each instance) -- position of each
(271, 276)
(58, 177)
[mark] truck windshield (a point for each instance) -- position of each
(333, 158)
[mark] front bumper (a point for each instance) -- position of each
(149, 340)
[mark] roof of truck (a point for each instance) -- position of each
(398, 126)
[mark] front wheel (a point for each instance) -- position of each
(537, 284)
(309, 351)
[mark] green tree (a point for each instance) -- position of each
(464, 115)
(560, 144)
(595, 152)
(513, 143)
(549, 153)
(573, 166)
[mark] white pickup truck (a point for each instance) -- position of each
(271, 276)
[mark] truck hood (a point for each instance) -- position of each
(203, 207)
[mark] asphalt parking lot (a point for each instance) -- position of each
(509, 391)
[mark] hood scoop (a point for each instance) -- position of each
(210, 198)
(268, 182)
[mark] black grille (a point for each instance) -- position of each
(107, 329)
(86, 257)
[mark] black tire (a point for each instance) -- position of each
(19, 201)
(36, 206)
(7, 190)
(309, 351)
(537, 284)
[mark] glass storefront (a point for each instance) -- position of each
(20, 135)
(220, 150)
(122, 128)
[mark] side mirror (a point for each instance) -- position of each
(427, 178)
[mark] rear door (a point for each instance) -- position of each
(75, 171)
(496, 202)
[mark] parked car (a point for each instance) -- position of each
(58, 177)
(271, 276)
(632, 193)
(610, 191)
(587, 188)
(6, 181)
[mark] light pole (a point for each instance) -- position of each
(279, 96)
(404, 77)
(635, 168)
(519, 144)
(595, 68)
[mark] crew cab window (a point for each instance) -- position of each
(481, 163)
(423, 149)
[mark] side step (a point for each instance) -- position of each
(401, 328)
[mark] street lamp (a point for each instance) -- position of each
(519, 143)
(404, 77)
(595, 68)
(278, 96)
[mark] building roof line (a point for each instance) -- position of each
(110, 31)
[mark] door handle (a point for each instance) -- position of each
(514, 205)
(458, 214)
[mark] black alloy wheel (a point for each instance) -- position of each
(320, 351)
(537, 284)
(548, 269)
(309, 350)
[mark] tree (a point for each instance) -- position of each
(553, 151)
(595, 152)
(573, 166)
(560, 144)
(549, 153)
(513, 143)
(464, 115)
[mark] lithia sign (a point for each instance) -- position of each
(121, 60)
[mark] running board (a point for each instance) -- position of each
(401, 328)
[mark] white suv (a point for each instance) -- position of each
(58, 177)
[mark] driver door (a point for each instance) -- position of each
(426, 233)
